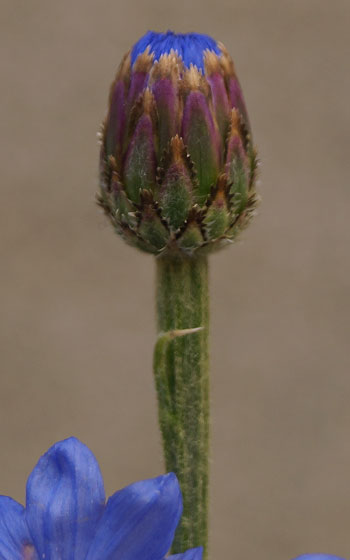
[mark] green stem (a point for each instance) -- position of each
(181, 373)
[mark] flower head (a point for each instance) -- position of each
(67, 518)
(177, 166)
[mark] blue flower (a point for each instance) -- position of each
(190, 46)
(318, 557)
(67, 518)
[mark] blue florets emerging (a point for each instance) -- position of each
(190, 46)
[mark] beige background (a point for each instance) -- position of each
(77, 305)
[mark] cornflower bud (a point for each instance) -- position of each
(177, 164)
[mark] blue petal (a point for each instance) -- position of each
(65, 500)
(139, 521)
(318, 557)
(192, 554)
(15, 542)
(190, 46)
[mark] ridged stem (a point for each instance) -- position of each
(181, 374)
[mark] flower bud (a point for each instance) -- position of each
(177, 163)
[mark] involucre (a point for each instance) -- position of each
(177, 165)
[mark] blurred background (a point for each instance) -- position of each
(77, 304)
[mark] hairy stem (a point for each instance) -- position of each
(181, 374)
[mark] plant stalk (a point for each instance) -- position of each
(182, 382)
